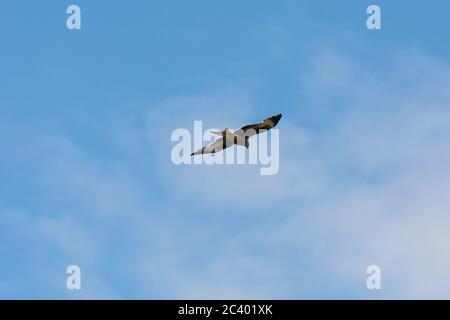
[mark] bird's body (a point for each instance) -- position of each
(239, 137)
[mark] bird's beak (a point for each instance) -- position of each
(219, 133)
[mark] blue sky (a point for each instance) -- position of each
(85, 170)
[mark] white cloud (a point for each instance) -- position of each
(369, 189)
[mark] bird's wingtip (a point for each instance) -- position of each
(277, 117)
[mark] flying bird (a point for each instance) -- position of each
(239, 137)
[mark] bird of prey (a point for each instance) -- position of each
(239, 137)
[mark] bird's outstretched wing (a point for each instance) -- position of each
(214, 147)
(252, 129)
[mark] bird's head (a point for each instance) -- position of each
(222, 133)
